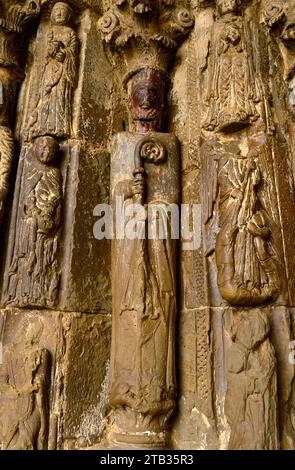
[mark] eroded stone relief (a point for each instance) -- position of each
(25, 376)
(251, 398)
(33, 276)
(137, 341)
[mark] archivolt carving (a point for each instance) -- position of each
(53, 112)
(16, 17)
(251, 397)
(234, 89)
(246, 259)
(33, 276)
(155, 28)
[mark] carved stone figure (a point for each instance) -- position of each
(248, 268)
(142, 377)
(146, 99)
(251, 397)
(24, 381)
(142, 382)
(53, 113)
(6, 157)
(233, 89)
(13, 21)
(202, 311)
(33, 273)
(125, 29)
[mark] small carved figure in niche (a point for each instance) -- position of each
(33, 274)
(6, 157)
(251, 396)
(248, 269)
(53, 113)
(233, 89)
(24, 387)
(146, 100)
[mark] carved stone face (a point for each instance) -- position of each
(61, 14)
(45, 149)
(147, 97)
(227, 6)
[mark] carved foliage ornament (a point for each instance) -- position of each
(248, 268)
(19, 15)
(14, 22)
(163, 23)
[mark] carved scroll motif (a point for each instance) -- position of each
(234, 89)
(24, 378)
(251, 398)
(53, 112)
(33, 276)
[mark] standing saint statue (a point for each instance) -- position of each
(142, 370)
(33, 273)
(52, 115)
(233, 89)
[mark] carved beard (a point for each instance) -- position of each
(146, 114)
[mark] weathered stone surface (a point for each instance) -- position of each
(28, 352)
(85, 365)
(184, 342)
